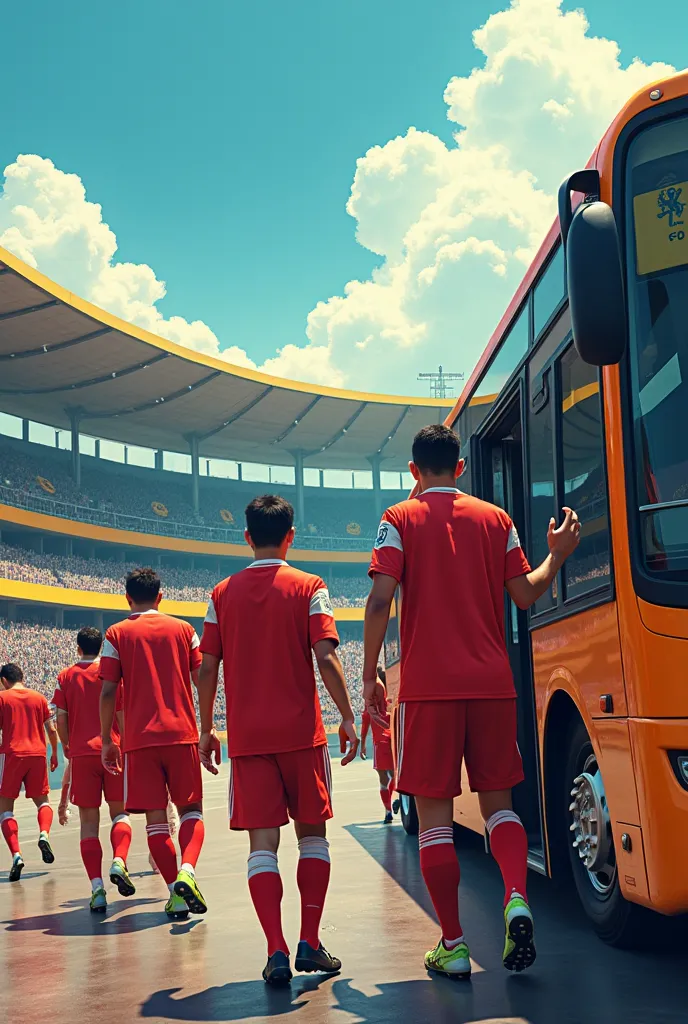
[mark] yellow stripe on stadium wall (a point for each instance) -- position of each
(130, 539)
(65, 597)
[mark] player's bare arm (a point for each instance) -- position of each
(209, 746)
(365, 726)
(52, 740)
(62, 723)
(563, 540)
(63, 806)
(377, 612)
(110, 755)
(332, 675)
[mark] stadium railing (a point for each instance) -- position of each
(164, 527)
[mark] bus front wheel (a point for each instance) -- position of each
(591, 847)
(409, 814)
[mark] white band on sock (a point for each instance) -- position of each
(314, 848)
(262, 861)
(97, 883)
(436, 837)
(158, 830)
(191, 816)
(5, 816)
(500, 818)
(121, 817)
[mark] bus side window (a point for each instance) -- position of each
(585, 489)
(541, 455)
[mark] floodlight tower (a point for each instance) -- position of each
(439, 386)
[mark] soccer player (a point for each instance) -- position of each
(77, 700)
(453, 555)
(24, 720)
(266, 622)
(383, 761)
(154, 658)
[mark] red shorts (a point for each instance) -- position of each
(265, 790)
(383, 760)
(151, 773)
(435, 736)
(91, 781)
(31, 769)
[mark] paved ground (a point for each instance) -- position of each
(60, 964)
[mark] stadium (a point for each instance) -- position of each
(119, 448)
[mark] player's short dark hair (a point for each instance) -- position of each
(11, 673)
(269, 519)
(89, 640)
(143, 585)
(436, 449)
(382, 675)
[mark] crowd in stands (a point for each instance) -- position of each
(43, 651)
(156, 500)
(106, 576)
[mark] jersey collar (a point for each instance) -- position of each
(440, 490)
(266, 561)
(149, 611)
(87, 661)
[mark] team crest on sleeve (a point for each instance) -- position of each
(382, 534)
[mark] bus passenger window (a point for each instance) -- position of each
(583, 467)
(541, 450)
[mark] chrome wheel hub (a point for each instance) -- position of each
(591, 827)
(405, 803)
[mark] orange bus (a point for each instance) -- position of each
(581, 399)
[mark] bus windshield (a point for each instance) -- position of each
(657, 191)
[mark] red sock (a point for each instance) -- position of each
(440, 867)
(509, 846)
(386, 797)
(10, 830)
(313, 878)
(390, 790)
(120, 837)
(45, 818)
(92, 856)
(162, 850)
(191, 836)
(265, 886)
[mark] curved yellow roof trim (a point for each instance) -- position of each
(64, 597)
(117, 324)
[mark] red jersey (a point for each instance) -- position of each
(153, 655)
(78, 693)
(23, 714)
(263, 623)
(452, 554)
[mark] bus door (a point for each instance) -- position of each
(501, 481)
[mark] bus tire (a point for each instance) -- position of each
(409, 814)
(615, 920)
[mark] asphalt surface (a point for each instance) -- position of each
(61, 964)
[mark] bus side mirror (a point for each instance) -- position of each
(594, 271)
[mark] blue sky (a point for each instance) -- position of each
(221, 141)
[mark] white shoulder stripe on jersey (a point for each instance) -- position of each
(388, 537)
(211, 614)
(109, 651)
(513, 541)
(195, 642)
(320, 603)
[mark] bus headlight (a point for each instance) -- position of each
(679, 762)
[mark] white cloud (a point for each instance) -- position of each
(46, 220)
(455, 224)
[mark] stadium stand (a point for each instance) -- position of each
(107, 576)
(43, 651)
(38, 478)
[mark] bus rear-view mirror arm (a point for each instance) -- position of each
(594, 272)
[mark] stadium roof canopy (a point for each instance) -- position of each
(63, 360)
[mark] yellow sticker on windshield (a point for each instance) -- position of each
(661, 228)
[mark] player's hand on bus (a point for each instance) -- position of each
(53, 762)
(210, 751)
(111, 757)
(375, 702)
(348, 738)
(564, 539)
